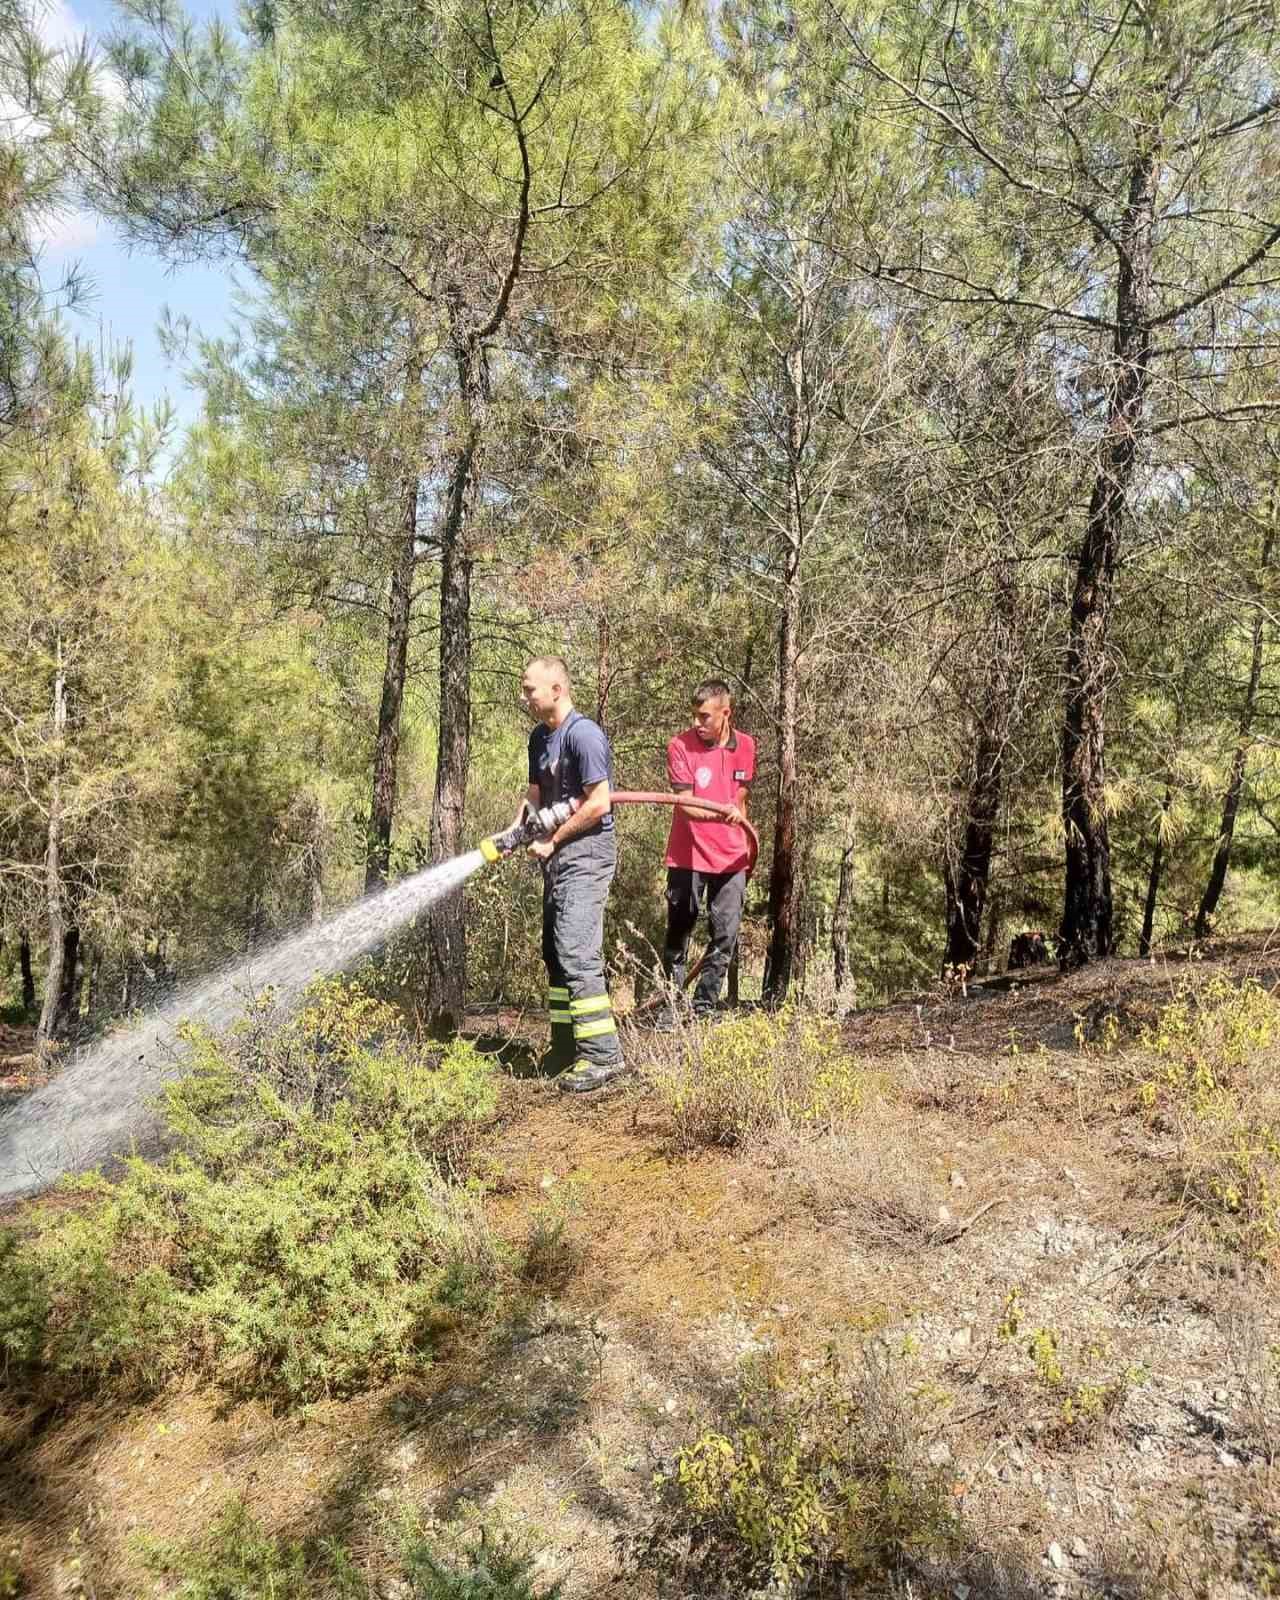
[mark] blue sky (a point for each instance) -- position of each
(131, 287)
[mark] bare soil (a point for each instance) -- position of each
(1000, 1152)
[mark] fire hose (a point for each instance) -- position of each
(541, 824)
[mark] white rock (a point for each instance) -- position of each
(944, 1213)
(1055, 1557)
(962, 1338)
(1227, 1459)
(1079, 1547)
(668, 1406)
(958, 1181)
(939, 1453)
(1221, 1396)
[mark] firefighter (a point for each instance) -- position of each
(707, 854)
(570, 759)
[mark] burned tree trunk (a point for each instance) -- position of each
(27, 974)
(72, 976)
(1086, 931)
(446, 943)
(966, 874)
(780, 955)
(1239, 761)
(604, 669)
(840, 917)
(1154, 875)
(386, 751)
(53, 1012)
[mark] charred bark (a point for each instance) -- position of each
(780, 956)
(840, 918)
(53, 1011)
(1154, 876)
(1087, 930)
(386, 751)
(967, 874)
(446, 943)
(1239, 761)
(26, 971)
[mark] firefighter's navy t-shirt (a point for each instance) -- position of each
(564, 760)
(713, 772)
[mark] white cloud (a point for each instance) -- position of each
(65, 230)
(58, 25)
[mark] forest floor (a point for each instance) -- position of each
(1001, 1151)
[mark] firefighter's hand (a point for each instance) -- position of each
(542, 849)
(735, 816)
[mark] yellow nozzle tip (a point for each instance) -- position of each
(490, 851)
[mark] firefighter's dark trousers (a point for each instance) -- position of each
(725, 893)
(574, 890)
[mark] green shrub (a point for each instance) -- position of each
(757, 1073)
(12, 1582)
(239, 1560)
(1085, 1385)
(816, 1480)
(304, 1235)
(492, 1569)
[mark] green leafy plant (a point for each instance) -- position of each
(12, 1581)
(1083, 1387)
(237, 1558)
(1214, 1086)
(305, 1235)
(816, 1478)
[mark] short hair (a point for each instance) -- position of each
(552, 664)
(712, 689)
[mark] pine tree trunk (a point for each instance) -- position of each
(1086, 931)
(28, 976)
(780, 956)
(315, 866)
(1153, 877)
(1239, 761)
(990, 958)
(840, 918)
(72, 976)
(966, 876)
(604, 670)
(53, 1011)
(446, 943)
(386, 751)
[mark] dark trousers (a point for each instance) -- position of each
(575, 886)
(724, 893)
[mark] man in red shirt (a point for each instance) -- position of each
(706, 853)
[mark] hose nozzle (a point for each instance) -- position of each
(531, 825)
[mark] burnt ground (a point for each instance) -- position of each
(1001, 1148)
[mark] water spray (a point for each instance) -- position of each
(99, 1104)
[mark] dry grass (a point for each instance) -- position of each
(735, 1083)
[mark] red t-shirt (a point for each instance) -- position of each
(713, 772)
